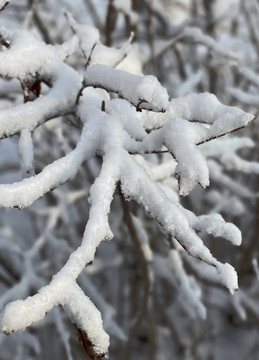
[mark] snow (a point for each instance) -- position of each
(108, 312)
(141, 91)
(181, 136)
(204, 108)
(112, 129)
(180, 139)
(52, 176)
(27, 56)
(228, 276)
(89, 42)
(32, 114)
(81, 310)
(108, 133)
(84, 313)
(88, 36)
(26, 153)
(128, 118)
(214, 224)
(157, 172)
(169, 215)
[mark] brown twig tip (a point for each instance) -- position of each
(5, 5)
(17, 207)
(88, 345)
(141, 101)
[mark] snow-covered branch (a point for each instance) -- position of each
(121, 117)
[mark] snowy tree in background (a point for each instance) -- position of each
(104, 153)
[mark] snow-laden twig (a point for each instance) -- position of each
(180, 134)
(144, 92)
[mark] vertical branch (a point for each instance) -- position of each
(94, 14)
(150, 27)
(249, 252)
(210, 28)
(248, 18)
(39, 23)
(134, 27)
(153, 336)
(208, 7)
(146, 277)
(180, 62)
(31, 91)
(180, 342)
(110, 24)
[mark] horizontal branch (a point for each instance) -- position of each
(144, 92)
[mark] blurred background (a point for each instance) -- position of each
(151, 309)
